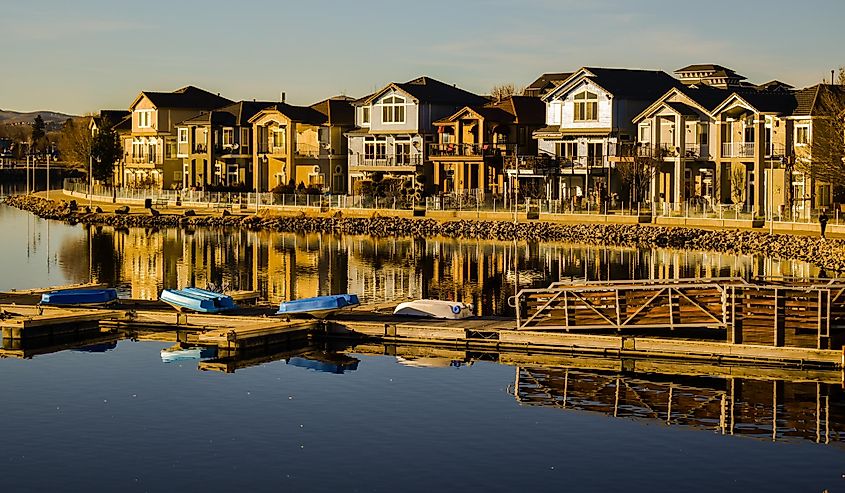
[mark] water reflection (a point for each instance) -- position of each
(289, 266)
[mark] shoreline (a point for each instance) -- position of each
(828, 254)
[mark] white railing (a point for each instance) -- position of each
(738, 149)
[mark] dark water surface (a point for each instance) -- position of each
(117, 418)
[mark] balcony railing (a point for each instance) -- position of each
(200, 149)
(395, 160)
(738, 149)
(307, 150)
(141, 160)
(455, 149)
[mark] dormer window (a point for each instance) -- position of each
(393, 110)
(586, 106)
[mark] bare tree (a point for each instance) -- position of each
(637, 169)
(503, 91)
(75, 142)
(738, 183)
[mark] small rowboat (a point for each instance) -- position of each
(319, 306)
(80, 297)
(452, 310)
(197, 300)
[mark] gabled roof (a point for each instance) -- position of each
(338, 110)
(640, 85)
(813, 101)
(124, 125)
(513, 109)
(188, 97)
(428, 90)
(110, 116)
(302, 114)
(545, 82)
(236, 114)
(701, 98)
(775, 85)
(762, 102)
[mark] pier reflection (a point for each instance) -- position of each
(89, 340)
(290, 266)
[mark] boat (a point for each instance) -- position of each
(80, 297)
(197, 300)
(179, 353)
(452, 310)
(319, 306)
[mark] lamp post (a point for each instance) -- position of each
(48, 174)
(90, 180)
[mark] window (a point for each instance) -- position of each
(365, 115)
(403, 152)
(145, 118)
(802, 135)
(702, 133)
(393, 110)
(375, 149)
(183, 135)
(244, 141)
(567, 150)
(645, 134)
(279, 139)
(586, 106)
(228, 137)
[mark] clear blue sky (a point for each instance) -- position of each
(79, 56)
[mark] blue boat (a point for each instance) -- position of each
(319, 306)
(197, 300)
(80, 297)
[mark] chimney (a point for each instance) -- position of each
(282, 96)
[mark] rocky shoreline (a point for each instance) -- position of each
(829, 254)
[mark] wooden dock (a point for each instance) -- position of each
(19, 321)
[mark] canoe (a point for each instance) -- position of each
(198, 300)
(80, 297)
(452, 310)
(319, 306)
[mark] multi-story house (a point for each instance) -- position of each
(545, 83)
(302, 145)
(817, 145)
(217, 146)
(151, 158)
(474, 143)
(587, 115)
(395, 124)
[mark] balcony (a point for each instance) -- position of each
(199, 149)
(697, 151)
(307, 150)
(395, 161)
(469, 150)
(738, 149)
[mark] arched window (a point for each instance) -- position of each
(393, 110)
(586, 106)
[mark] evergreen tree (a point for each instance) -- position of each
(39, 133)
(106, 151)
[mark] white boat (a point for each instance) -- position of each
(452, 310)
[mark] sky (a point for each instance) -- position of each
(83, 55)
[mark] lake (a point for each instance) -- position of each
(114, 416)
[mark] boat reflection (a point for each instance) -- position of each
(84, 341)
(326, 362)
(181, 352)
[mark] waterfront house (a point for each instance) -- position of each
(474, 144)
(545, 83)
(302, 145)
(393, 127)
(150, 152)
(216, 146)
(587, 115)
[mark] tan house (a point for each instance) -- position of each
(150, 151)
(217, 146)
(474, 143)
(302, 145)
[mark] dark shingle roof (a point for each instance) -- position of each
(338, 110)
(707, 96)
(186, 97)
(641, 85)
(111, 116)
(813, 101)
(683, 109)
(234, 114)
(770, 102)
(428, 90)
(546, 82)
(303, 114)
(704, 67)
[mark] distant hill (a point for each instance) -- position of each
(9, 117)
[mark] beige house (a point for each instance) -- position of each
(474, 143)
(302, 145)
(150, 150)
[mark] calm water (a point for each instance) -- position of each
(117, 418)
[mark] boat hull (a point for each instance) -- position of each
(197, 300)
(450, 310)
(80, 297)
(318, 307)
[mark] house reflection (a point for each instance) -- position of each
(290, 266)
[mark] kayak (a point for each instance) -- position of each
(453, 310)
